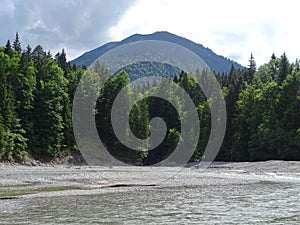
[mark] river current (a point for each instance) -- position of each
(261, 201)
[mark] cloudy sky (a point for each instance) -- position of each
(231, 28)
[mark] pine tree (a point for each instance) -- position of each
(273, 57)
(50, 96)
(8, 49)
(28, 51)
(17, 44)
(13, 142)
(284, 68)
(61, 59)
(38, 54)
(24, 92)
(251, 68)
(176, 79)
(7, 102)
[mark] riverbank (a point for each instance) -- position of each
(45, 180)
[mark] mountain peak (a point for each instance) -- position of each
(216, 62)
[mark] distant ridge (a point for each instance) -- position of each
(216, 62)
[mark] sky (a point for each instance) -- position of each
(232, 28)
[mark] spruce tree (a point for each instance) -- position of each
(284, 68)
(17, 44)
(273, 57)
(13, 142)
(8, 49)
(50, 96)
(251, 68)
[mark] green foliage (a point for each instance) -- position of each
(51, 94)
(36, 94)
(251, 68)
(12, 140)
(8, 49)
(103, 118)
(13, 147)
(17, 44)
(145, 69)
(35, 109)
(284, 69)
(265, 124)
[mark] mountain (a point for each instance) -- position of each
(216, 62)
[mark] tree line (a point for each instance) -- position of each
(263, 109)
(35, 102)
(37, 90)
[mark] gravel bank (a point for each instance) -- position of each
(19, 181)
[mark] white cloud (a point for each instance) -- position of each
(75, 25)
(231, 28)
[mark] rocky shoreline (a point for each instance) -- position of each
(62, 179)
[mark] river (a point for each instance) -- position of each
(245, 193)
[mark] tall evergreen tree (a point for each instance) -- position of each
(273, 57)
(50, 97)
(235, 85)
(13, 141)
(24, 92)
(284, 68)
(8, 49)
(17, 44)
(103, 117)
(61, 59)
(73, 79)
(251, 68)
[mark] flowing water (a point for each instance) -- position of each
(257, 201)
